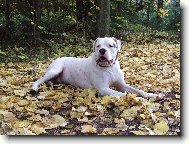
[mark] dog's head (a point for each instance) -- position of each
(106, 50)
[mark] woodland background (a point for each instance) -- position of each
(40, 28)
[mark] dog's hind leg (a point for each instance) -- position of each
(53, 71)
(48, 76)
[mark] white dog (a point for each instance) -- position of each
(100, 71)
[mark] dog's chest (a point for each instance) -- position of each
(76, 73)
(109, 76)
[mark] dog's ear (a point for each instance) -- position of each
(94, 44)
(118, 42)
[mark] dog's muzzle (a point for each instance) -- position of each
(104, 62)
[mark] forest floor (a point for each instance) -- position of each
(66, 110)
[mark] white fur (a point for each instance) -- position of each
(88, 73)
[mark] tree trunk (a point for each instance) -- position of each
(80, 11)
(159, 19)
(55, 6)
(148, 14)
(7, 20)
(103, 18)
(37, 22)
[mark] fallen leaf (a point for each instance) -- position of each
(106, 100)
(130, 113)
(42, 111)
(57, 121)
(161, 128)
(21, 124)
(153, 107)
(110, 131)
(37, 129)
(88, 129)
(23, 102)
(65, 132)
(139, 132)
(19, 93)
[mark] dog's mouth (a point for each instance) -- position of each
(103, 61)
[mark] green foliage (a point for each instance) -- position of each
(58, 28)
(72, 45)
(129, 17)
(173, 18)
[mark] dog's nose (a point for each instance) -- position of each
(102, 51)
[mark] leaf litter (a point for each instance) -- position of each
(66, 110)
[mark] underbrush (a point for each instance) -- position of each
(76, 46)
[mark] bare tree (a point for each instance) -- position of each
(7, 20)
(159, 19)
(37, 21)
(103, 17)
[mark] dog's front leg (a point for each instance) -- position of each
(109, 91)
(122, 86)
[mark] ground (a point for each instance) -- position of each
(66, 110)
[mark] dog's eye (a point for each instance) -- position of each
(98, 46)
(111, 46)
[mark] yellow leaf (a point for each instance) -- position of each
(87, 101)
(121, 126)
(153, 107)
(85, 119)
(18, 108)
(89, 13)
(87, 113)
(35, 118)
(88, 129)
(110, 131)
(57, 106)
(166, 106)
(23, 103)
(3, 106)
(21, 124)
(92, 93)
(19, 93)
(69, 17)
(21, 131)
(177, 113)
(139, 132)
(119, 120)
(42, 111)
(78, 101)
(40, 27)
(3, 82)
(7, 116)
(97, 8)
(75, 114)
(143, 116)
(130, 113)
(81, 109)
(106, 100)
(65, 132)
(30, 108)
(56, 121)
(37, 129)
(161, 128)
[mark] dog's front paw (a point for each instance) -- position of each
(34, 88)
(119, 94)
(150, 95)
